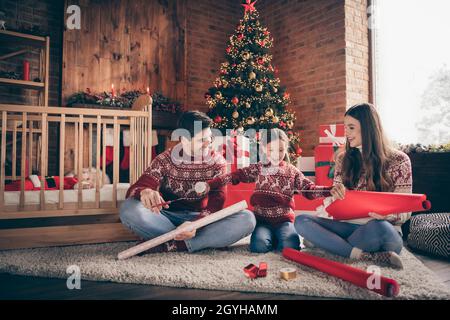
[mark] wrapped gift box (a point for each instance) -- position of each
(324, 157)
(332, 134)
(235, 150)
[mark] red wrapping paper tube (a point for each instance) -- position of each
(26, 70)
(251, 271)
(388, 287)
(262, 271)
(357, 204)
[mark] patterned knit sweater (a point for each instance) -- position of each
(398, 168)
(272, 199)
(175, 178)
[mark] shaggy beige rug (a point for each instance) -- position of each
(214, 269)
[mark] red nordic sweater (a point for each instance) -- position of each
(175, 178)
(272, 199)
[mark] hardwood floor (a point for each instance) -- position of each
(20, 287)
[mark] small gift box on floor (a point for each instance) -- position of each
(331, 137)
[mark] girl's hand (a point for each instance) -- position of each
(338, 191)
(187, 234)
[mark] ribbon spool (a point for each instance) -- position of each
(288, 273)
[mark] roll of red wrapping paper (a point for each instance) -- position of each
(388, 287)
(357, 204)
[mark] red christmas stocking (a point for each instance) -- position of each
(125, 163)
(109, 143)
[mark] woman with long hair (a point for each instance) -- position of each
(367, 163)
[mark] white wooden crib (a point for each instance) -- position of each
(28, 126)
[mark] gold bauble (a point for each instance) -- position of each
(275, 90)
(235, 115)
(219, 95)
(246, 55)
(248, 105)
(290, 124)
(252, 75)
(275, 119)
(258, 88)
(224, 83)
(269, 112)
(250, 120)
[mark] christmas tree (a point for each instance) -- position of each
(247, 93)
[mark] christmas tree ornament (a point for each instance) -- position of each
(246, 55)
(275, 119)
(275, 90)
(249, 6)
(224, 83)
(258, 87)
(298, 151)
(248, 105)
(219, 95)
(228, 50)
(235, 115)
(286, 95)
(251, 120)
(240, 36)
(290, 124)
(235, 100)
(218, 119)
(260, 61)
(252, 75)
(269, 112)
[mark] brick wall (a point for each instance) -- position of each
(209, 26)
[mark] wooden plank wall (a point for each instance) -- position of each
(134, 44)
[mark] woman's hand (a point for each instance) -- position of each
(150, 198)
(338, 191)
(389, 217)
(187, 234)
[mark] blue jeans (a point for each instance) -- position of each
(267, 237)
(149, 225)
(340, 237)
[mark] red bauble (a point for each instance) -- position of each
(282, 124)
(298, 151)
(286, 95)
(262, 43)
(240, 36)
(218, 119)
(260, 60)
(228, 49)
(266, 33)
(235, 100)
(223, 71)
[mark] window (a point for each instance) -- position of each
(412, 68)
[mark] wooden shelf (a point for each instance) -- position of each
(22, 83)
(13, 36)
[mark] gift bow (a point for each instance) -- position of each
(331, 136)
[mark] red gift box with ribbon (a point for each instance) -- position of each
(332, 134)
(324, 157)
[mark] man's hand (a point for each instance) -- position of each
(186, 235)
(338, 191)
(150, 198)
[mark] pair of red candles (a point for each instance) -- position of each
(252, 271)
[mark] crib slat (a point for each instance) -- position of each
(43, 159)
(3, 160)
(23, 160)
(104, 153)
(14, 151)
(80, 162)
(97, 164)
(132, 146)
(90, 147)
(30, 148)
(62, 148)
(150, 133)
(75, 169)
(116, 162)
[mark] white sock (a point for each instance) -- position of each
(356, 253)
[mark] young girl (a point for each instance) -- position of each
(368, 163)
(276, 181)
